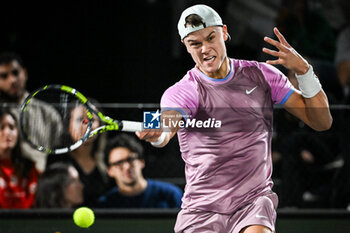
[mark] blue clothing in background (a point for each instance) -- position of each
(158, 194)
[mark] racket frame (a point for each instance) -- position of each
(111, 124)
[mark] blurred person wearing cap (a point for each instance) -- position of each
(228, 162)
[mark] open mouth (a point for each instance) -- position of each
(209, 59)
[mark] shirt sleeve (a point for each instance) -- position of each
(183, 97)
(281, 88)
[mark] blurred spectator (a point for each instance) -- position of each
(341, 194)
(18, 175)
(306, 161)
(342, 59)
(308, 166)
(13, 80)
(303, 160)
(59, 187)
(125, 163)
(87, 158)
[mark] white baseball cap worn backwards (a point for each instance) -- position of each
(209, 16)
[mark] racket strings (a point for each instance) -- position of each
(54, 119)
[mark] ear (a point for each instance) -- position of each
(25, 74)
(142, 163)
(187, 47)
(225, 33)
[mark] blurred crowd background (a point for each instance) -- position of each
(130, 52)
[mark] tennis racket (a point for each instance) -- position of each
(56, 119)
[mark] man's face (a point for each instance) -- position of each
(13, 80)
(207, 48)
(124, 166)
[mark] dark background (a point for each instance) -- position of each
(122, 51)
(118, 51)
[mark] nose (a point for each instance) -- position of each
(7, 131)
(205, 48)
(126, 166)
(12, 78)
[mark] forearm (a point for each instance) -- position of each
(317, 112)
(311, 105)
(315, 100)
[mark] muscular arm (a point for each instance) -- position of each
(313, 111)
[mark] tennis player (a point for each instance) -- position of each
(228, 162)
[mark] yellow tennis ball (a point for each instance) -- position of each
(84, 217)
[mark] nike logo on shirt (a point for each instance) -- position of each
(250, 91)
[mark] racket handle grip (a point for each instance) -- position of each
(132, 126)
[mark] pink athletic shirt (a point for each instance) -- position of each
(228, 166)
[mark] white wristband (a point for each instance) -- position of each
(160, 140)
(309, 84)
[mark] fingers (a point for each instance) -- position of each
(273, 53)
(274, 43)
(149, 135)
(281, 56)
(275, 62)
(286, 54)
(280, 36)
(138, 134)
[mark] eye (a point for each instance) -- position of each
(211, 38)
(3, 75)
(196, 44)
(15, 72)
